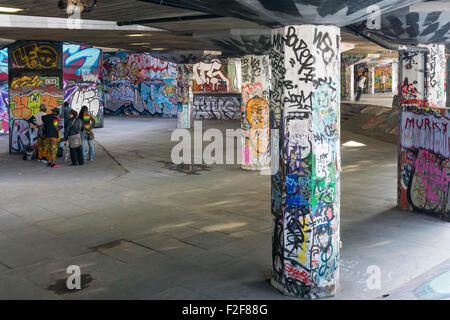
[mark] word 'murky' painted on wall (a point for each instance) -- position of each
(424, 164)
(139, 84)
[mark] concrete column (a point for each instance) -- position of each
(424, 133)
(255, 76)
(350, 82)
(371, 80)
(185, 95)
(394, 70)
(304, 110)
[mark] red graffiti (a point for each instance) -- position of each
(293, 273)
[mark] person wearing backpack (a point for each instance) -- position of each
(74, 126)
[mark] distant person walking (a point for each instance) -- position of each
(87, 135)
(383, 82)
(74, 127)
(361, 84)
(51, 130)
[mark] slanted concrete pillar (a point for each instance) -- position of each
(255, 76)
(304, 107)
(185, 95)
(424, 133)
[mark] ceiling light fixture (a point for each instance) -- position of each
(158, 49)
(10, 10)
(138, 35)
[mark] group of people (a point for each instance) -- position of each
(77, 133)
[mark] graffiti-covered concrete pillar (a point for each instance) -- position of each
(255, 73)
(371, 80)
(424, 132)
(304, 111)
(349, 82)
(185, 95)
(35, 78)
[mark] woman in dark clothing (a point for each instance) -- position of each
(74, 137)
(51, 128)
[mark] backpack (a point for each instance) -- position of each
(28, 153)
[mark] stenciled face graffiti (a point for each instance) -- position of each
(139, 84)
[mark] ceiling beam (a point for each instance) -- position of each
(172, 19)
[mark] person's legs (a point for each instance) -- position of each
(73, 156)
(80, 156)
(91, 149)
(52, 151)
(83, 141)
(358, 95)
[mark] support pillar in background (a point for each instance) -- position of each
(255, 75)
(371, 80)
(350, 82)
(424, 133)
(305, 114)
(185, 95)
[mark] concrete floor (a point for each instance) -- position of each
(375, 99)
(140, 230)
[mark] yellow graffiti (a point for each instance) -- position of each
(26, 81)
(304, 246)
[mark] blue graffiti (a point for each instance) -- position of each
(91, 58)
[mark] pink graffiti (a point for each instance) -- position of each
(434, 177)
(145, 61)
(122, 93)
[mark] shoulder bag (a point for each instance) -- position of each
(74, 140)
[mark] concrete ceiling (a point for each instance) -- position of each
(245, 28)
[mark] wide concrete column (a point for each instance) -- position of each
(185, 95)
(255, 77)
(424, 133)
(304, 107)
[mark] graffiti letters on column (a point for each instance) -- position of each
(304, 103)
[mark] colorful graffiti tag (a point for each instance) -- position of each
(85, 94)
(304, 111)
(255, 112)
(35, 78)
(4, 103)
(139, 84)
(82, 63)
(385, 70)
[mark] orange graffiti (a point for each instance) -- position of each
(23, 107)
(26, 81)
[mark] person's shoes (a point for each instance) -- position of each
(55, 165)
(91, 159)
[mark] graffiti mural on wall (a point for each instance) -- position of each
(424, 165)
(184, 95)
(85, 94)
(255, 112)
(35, 78)
(211, 76)
(139, 84)
(217, 107)
(82, 63)
(304, 109)
(4, 103)
(387, 71)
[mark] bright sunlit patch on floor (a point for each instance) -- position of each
(353, 144)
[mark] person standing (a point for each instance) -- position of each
(361, 84)
(36, 120)
(87, 135)
(74, 126)
(51, 129)
(383, 82)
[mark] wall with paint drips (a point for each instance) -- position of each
(423, 164)
(139, 85)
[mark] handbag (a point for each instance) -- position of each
(91, 136)
(74, 140)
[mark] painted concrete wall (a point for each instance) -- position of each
(216, 87)
(304, 106)
(255, 124)
(185, 95)
(4, 101)
(35, 78)
(424, 165)
(83, 79)
(139, 85)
